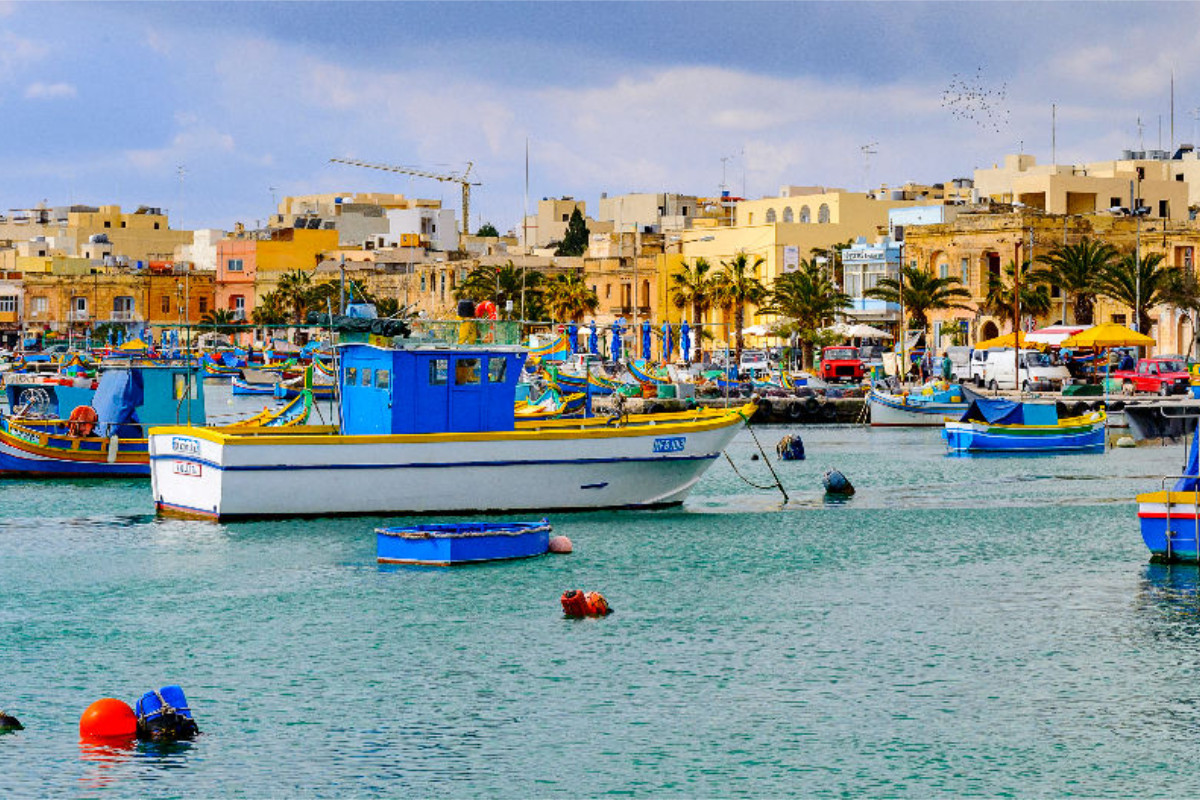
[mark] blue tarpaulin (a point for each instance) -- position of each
(117, 397)
(668, 345)
(685, 341)
(615, 349)
(594, 340)
(646, 340)
(1191, 478)
(995, 412)
(573, 337)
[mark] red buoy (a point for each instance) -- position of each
(561, 544)
(578, 603)
(108, 718)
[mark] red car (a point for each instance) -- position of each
(1163, 375)
(841, 363)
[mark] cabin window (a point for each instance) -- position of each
(466, 371)
(366, 376)
(497, 370)
(351, 376)
(382, 378)
(185, 388)
(439, 370)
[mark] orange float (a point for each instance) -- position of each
(578, 603)
(83, 421)
(108, 718)
(486, 310)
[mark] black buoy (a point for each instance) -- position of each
(790, 448)
(9, 723)
(837, 483)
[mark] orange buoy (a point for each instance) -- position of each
(561, 544)
(83, 421)
(578, 603)
(108, 718)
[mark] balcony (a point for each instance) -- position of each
(78, 316)
(124, 316)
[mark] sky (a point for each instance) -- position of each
(214, 111)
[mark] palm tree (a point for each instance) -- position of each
(736, 285)
(501, 284)
(293, 291)
(269, 310)
(693, 286)
(1035, 293)
(567, 297)
(921, 292)
(1140, 285)
(222, 320)
(1075, 270)
(809, 297)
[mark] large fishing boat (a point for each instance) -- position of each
(1170, 518)
(924, 406)
(429, 428)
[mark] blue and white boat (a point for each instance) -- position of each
(924, 406)
(1005, 426)
(1170, 519)
(446, 544)
(430, 428)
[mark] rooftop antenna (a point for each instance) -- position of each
(724, 164)
(1141, 129)
(868, 150)
(274, 202)
(181, 172)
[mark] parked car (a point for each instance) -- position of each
(753, 362)
(1163, 375)
(1038, 371)
(960, 363)
(841, 363)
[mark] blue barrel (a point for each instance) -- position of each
(165, 715)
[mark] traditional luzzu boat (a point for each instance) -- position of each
(430, 428)
(107, 438)
(1004, 426)
(447, 544)
(1170, 519)
(926, 406)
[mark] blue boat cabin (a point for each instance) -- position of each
(429, 389)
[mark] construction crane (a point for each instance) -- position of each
(420, 173)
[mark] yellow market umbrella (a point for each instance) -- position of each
(133, 344)
(1006, 341)
(1110, 334)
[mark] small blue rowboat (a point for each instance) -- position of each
(1002, 426)
(446, 544)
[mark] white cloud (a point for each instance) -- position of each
(49, 91)
(192, 142)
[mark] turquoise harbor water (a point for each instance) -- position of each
(961, 626)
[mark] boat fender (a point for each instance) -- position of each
(9, 723)
(164, 716)
(561, 544)
(811, 404)
(108, 718)
(829, 411)
(796, 411)
(837, 483)
(763, 412)
(578, 603)
(656, 408)
(82, 421)
(790, 448)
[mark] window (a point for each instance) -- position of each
(202, 305)
(79, 305)
(466, 371)
(439, 369)
(239, 303)
(8, 304)
(422, 281)
(1164, 209)
(805, 215)
(1179, 177)
(1114, 202)
(497, 370)
(566, 217)
(607, 290)
(155, 225)
(122, 223)
(366, 373)
(823, 213)
(166, 304)
(770, 216)
(234, 264)
(943, 272)
(787, 215)
(966, 271)
(40, 304)
(351, 376)
(122, 306)
(107, 224)
(382, 378)
(1119, 319)
(443, 286)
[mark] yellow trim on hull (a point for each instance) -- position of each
(594, 428)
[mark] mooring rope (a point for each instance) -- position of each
(767, 461)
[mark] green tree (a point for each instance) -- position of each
(1139, 285)
(736, 285)
(1184, 294)
(810, 301)
(488, 229)
(693, 286)
(269, 310)
(575, 240)
(1001, 291)
(1075, 269)
(921, 292)
(568, 298)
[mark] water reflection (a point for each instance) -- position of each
(110, 760)
(1171, 592)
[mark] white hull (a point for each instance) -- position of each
(557, 467)
(887, 410)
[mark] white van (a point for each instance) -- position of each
(960, 362)
(975, 367)
(1038, 371)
